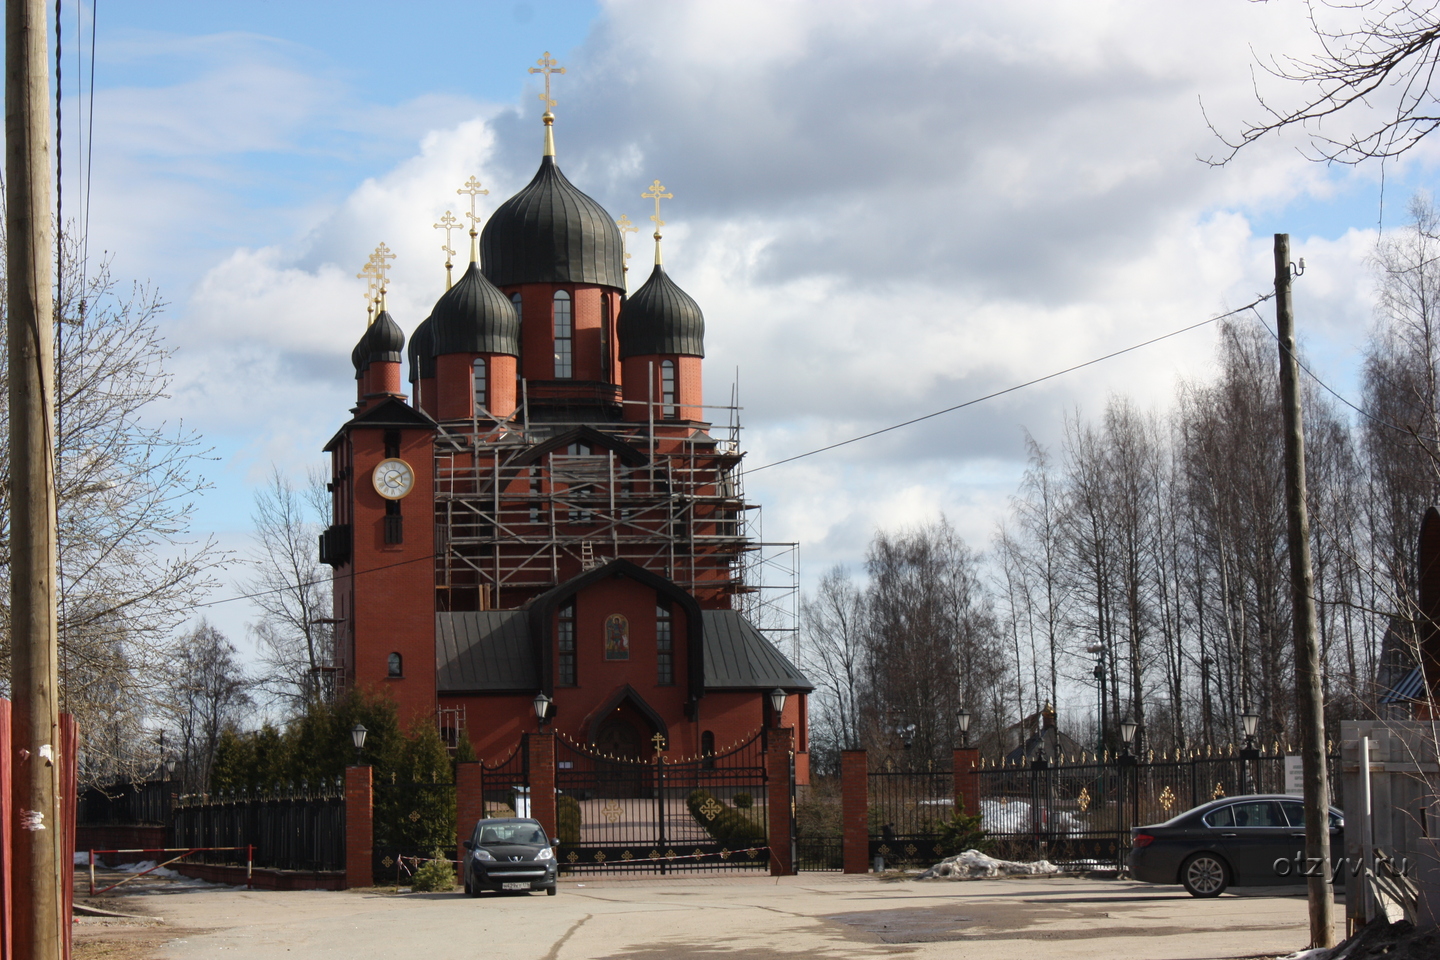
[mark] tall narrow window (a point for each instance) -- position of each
(394, 666)
(566, 635)
(519, 316)
(564, 337)
(605, 337)
(664, 646)
(667, 389)
(478, 383)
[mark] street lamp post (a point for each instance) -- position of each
(542, 705)
(1099, 651)
(964, 718)
(1128, 759)
(357, 737)
(1250, 753)
(777, 705)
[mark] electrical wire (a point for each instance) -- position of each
(1019, 386)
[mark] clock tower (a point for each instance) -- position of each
(383, 543)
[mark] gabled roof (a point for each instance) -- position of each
(391, 413)
(485, 651)
(627, 454)
(738, 657)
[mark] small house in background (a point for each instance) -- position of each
(1038, 736)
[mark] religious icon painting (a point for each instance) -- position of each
(617, 637)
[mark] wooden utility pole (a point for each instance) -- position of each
(1310, 704)
(38, 870)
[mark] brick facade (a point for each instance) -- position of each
(542, 781)
(469, 803)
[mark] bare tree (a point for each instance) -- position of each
(292, 592)
(126, 486)
(207, 694)
(832, 654)
(1371, 78)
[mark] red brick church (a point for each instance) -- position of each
(549, 514)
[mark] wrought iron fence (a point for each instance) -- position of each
(291, 827)
(819, 853)
(908, 805)
(507, 783)
(637, 816)
(148, 802)
(1079, 814)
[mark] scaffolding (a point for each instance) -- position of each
(522, 505)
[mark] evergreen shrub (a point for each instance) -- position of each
(728, 825)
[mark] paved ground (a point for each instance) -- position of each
(812, 916)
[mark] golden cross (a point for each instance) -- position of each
(472, 187)
(659, 741)
(448, 223)
(547, 67)
(657, 196)
(625, 227)
(368, 274)
(382, 269)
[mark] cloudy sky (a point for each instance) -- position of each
(883, 209)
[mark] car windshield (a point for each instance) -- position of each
(515, 831)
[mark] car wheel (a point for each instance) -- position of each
(549, 891)
(1204, 875)
(470, 889)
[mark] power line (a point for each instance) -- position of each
(1019, 386)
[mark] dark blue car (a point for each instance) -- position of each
(1256, 840)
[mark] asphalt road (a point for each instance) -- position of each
(737, 918)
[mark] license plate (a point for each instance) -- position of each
(515, 886)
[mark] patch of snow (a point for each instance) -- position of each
(1316, 953)
(82, 859)
(972, 864)
(150, 865)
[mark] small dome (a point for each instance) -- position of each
(661, 318)
(383, 341)
(550, 232)
(474, 317)
(421, 352)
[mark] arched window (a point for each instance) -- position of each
(605, 337)
(564, 337)
(664, 646)
(667, 390)
(478, 384)
(393, 669)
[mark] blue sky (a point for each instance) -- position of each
(882, 209)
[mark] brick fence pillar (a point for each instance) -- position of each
(966, 768)
(359, 837)
(854, 810)
(779, 771)
(542, 781)
(469, 803)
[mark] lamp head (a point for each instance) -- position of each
(357, 736)
(777, 703)
(964, 717)
(542, 704)
(1250, 721)
(1127, 731)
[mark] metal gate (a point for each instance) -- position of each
(658, 816)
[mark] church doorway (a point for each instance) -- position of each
(617, 737)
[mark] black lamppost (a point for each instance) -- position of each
(1127, 736)
(964, 718)
(1249, 723)
(1099, 651)
(357, 737)
(542, 705)
(777, 705)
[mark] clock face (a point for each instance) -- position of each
(393, 478)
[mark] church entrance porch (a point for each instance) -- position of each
(617, 811)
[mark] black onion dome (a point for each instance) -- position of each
(382, 341)
(385, 341)
(550, 232)
(474, 317)
(421, 351)
(661, 318)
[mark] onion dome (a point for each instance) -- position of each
(661, 318)
(550, 232)
(383, 341)
(474, 317)
(421, 352)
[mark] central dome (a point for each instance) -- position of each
(550, 232)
